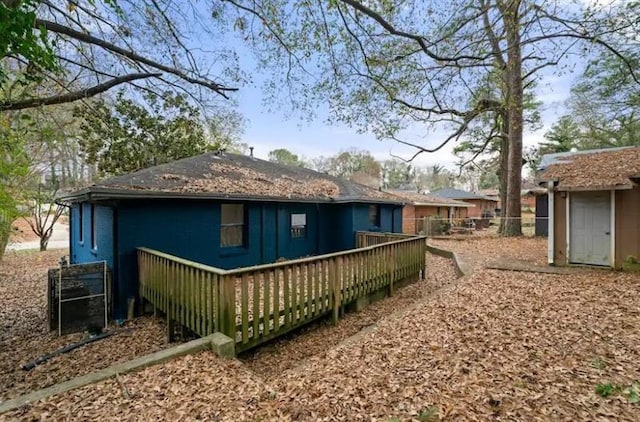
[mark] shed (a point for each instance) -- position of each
(593, 206)
(224, 210)
(484, 206)
(419, 206)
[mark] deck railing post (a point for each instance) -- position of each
(334, 290)
(392, 260)
(227, 305)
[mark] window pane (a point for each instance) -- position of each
(232, 214)
(231, 235)
(374, 219)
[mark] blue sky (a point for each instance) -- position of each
(267, 130)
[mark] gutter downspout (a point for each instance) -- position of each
(550, 224)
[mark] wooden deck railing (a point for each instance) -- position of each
(256, 304)
(364, 239)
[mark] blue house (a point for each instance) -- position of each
(220, 209)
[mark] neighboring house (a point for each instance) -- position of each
(418, 206)
(484, 206)
(528, 197)
(593, 206)
(224, 210)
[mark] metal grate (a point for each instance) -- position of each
(79, 297)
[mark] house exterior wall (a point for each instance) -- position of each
(528, 201)
(83, 251)
(411, 213)
(481, 206)
(191, 230)
(409, 219)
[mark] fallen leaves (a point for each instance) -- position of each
(497, 345)
(602, 169)
(24, 333)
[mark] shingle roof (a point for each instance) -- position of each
(233, 176)
(428, 200)
(452, 193)
(599, 169)
(548, 159)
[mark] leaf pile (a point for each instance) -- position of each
(24, 333)
(479, 251)
(496, 345)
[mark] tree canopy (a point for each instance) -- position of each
(85, 48)
(386, 67)
(127, 135)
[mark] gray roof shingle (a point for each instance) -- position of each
(233, 176)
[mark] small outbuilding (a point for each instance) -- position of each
(593, 206)
(419, 207)
(484, 206)
(220, 209)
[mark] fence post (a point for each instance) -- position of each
(227, 305)
(392, 260)
(334, 287)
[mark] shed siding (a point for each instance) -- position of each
(560, 230)
(627, 225)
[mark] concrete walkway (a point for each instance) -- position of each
(59, 240)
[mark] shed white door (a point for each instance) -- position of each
(590, 228)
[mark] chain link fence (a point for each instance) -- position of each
(440, 226)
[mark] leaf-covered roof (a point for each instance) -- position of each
(428, 200)
(237, 177)
(600, 169)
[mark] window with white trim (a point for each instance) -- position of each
(94, 228)
(298, 225)
(232, 222)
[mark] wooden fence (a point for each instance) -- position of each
(256, 304)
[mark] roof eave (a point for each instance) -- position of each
(593, 188)
(96, 193)
(427, 204)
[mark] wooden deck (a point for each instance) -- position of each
(256, 304)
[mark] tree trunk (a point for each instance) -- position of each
(504, 176)
(513, 226)
(5, 232)
(44, 242)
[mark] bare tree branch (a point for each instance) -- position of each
(76, 95)
(87, 38)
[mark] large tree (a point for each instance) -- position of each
(284, 156)
(125, 135)
(605, 101)
(389, 66)
(87, 47)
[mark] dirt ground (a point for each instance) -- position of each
(496, 345)
(24, 333)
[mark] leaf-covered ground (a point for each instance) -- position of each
(480, 249)
(496, 345)
(24, 333)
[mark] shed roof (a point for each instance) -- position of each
(416, 198)
(595, 170)
(459, 194)
(231, 176)
(548, 159)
